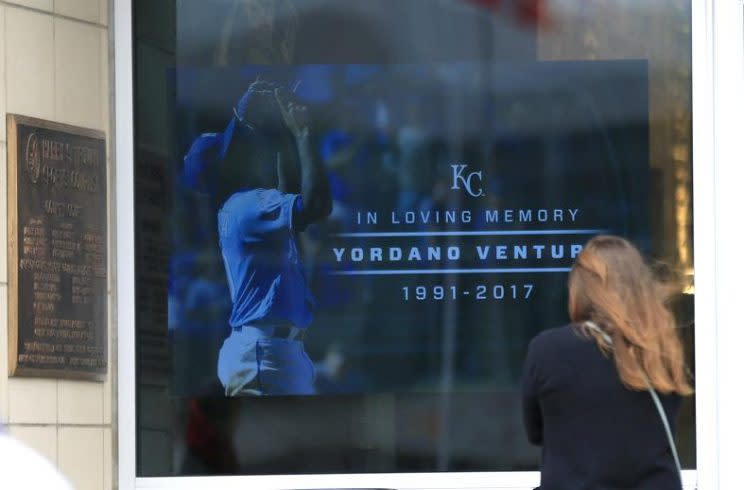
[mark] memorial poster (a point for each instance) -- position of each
(409, 226)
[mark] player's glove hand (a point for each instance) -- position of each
(259, 89)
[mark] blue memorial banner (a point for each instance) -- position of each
(349, 229)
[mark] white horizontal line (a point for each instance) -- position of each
(382, 234)
(401, 272)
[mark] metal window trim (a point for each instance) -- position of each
(707, 233)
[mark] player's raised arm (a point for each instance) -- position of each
(316, 196)
(288, 174)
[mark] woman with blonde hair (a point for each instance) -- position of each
(601, 395)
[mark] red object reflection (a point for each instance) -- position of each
(532, 12)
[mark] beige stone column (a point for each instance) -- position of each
(54, 64)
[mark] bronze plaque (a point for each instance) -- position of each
(57, 250)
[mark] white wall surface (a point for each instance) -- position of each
(54, 64)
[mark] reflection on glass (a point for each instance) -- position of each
(469, 150)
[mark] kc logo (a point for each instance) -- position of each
(467, 180)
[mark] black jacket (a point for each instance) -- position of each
(595, 433)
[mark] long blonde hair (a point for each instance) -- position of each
(612, 286)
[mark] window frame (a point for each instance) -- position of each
(708, 45)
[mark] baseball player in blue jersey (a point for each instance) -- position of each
(274, 190)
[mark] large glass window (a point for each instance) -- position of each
(353, 215)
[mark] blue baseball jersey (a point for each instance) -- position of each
(264, 271)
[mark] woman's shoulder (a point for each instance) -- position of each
(558, 340)
(566, 333)
(559, 352)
